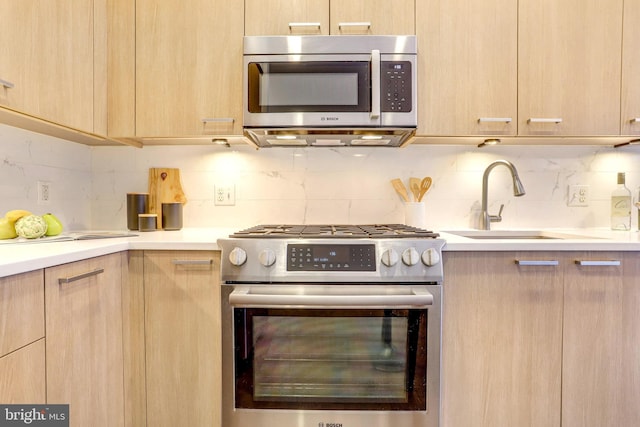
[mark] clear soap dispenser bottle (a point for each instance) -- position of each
(621, 205)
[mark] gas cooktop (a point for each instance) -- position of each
(322, 231)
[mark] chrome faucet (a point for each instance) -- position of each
(518, 190)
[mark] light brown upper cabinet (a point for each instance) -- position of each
(569, 67)
(47, 60)
(188, 67)
(630, 116)
(338, 17)
(468, 67)
(528, 68)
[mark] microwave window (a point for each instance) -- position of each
(295, 89)
(282, 87)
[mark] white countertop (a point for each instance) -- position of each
(21, 257)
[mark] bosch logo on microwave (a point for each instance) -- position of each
(329, 424)
(329, 119)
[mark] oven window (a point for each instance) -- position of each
(330, 359)
(280, 87)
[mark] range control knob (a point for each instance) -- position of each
(410, 256)
(430, 257)
(389, 258)
(237, 256)
(267, 257)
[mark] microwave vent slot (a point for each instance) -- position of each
(371, 142)
(328, 143)
(288, 142)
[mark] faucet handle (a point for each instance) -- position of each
(497, 218)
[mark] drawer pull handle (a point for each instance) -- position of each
(635, 120)
(192, 261)
(602, 263)
(95, 272)
(354, 24)
(6, 84)
(545, 120)
(304, 24)
(550, 262)
(218, 120)
(495, 119)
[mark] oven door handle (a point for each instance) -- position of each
(327, 297)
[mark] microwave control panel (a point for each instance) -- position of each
(396, 87)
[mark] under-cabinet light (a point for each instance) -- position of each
(491, 141)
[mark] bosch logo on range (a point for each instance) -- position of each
(330, 424)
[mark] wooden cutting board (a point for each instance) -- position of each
(164, 187)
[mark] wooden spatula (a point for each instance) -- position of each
(400, 189)
(414, 186)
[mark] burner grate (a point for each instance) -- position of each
(335, 231)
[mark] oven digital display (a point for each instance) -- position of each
(322, 257)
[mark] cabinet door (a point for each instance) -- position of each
(468, 67)
(22, 375)
(284, 17)
(47, 53)
(84, 340)
(188, 67)
(21, 310)
(569, 67)
(183, 335)
(631, 69)
(372, 17)
(502, 340)
(601, 358)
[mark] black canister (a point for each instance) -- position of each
(137, 203)
(172, 216)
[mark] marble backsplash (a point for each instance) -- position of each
(314, 185)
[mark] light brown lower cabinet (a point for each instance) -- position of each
(182, 338)
(22, 364)
(22, 377)
(553, 340)
(601, 345)
(84, 359)
(502, 341)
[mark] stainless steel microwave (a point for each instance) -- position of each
(330, 90)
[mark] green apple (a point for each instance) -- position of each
(7, 229)
(54, 226)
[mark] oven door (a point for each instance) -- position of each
(312, 90)
(345, 352)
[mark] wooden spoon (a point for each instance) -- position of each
(414, 186)
(400, 189)
(425, 184)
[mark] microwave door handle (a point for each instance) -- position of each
(375, 84)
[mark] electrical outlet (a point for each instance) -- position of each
(44, 192)
(225, 195)
(578, 195)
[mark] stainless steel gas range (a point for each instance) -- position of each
(331, 326)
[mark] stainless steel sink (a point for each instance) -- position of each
(516, 234)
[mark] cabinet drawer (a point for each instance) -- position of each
(21, 310)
